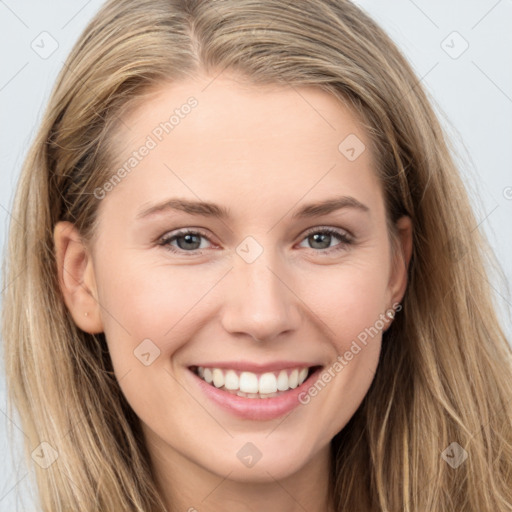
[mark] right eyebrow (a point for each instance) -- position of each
(192, 207)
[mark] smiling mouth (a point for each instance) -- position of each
(254, 385)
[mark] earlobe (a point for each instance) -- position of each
(76, 277)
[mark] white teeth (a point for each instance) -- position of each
(218, 378)
(268, 383)
(282, 381)
(293, 379)
(252, 385)
(208, 377)
(249, 382)
(231, 380)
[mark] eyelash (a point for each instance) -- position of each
(345, 240)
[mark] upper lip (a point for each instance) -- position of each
(246, 366)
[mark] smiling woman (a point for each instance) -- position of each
(273, 299)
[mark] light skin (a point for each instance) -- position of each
(263, 153)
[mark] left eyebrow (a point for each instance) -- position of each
(207, 209)
(329, 206)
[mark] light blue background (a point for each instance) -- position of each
(473, 94)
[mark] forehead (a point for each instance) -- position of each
(235, 141)
(232, 111)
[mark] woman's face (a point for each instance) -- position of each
(264, 290)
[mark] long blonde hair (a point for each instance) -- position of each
(445, 374)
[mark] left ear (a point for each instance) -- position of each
(401, 257)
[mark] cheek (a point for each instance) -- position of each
(350, 301)
(352, 314)
(348, 298)
(141, 301)
(148, 315)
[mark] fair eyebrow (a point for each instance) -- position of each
(207, 209)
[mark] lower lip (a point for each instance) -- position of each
(259, 409)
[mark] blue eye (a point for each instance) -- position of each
(319, 237)
(189, 241)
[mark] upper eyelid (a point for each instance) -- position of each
(173, 235)
(332, 228)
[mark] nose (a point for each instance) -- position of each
(260, 302)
